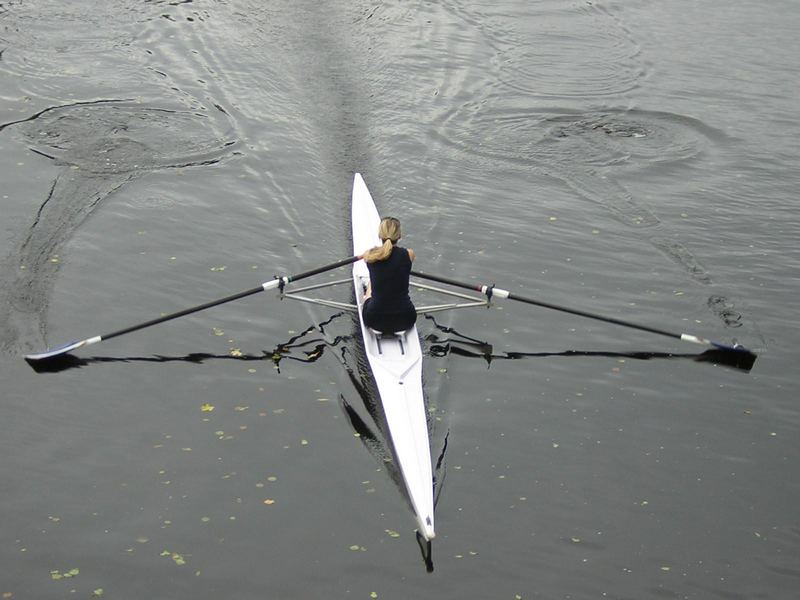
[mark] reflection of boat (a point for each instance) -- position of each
(396, 364)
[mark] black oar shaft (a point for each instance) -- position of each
(482, 288)
(594, 316)
(278, 282)
(231, 298)
(318, 270)
(183, 313)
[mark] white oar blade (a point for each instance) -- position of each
(62, 349)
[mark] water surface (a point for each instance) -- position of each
(636, 161)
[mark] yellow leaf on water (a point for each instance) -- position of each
(207, 407)
(218, 331)
(269, 501)
(236, 352)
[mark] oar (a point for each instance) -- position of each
(743, 357)
(277, 282)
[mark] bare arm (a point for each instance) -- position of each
(411, 254)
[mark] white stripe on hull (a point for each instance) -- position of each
(398, 375)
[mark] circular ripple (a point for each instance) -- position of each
(120, 138)
(573, 53)
(636, 136)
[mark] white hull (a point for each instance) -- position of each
(398, 374)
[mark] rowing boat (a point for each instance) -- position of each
(395, 360)
(396, 364)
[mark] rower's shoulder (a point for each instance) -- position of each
(410, 253)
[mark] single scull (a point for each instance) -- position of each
(396, 364)
(395, 360)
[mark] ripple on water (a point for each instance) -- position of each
(103, 146)
(571, 51)
(584, 150)
(123, 137)
(42, 40)
(587, 152)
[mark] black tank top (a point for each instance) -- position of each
(389, 280)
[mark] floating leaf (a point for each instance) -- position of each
(373, 594)
(392, 533)
(236, 352)
(207, 407)
(222, 268)
(97, 593)
(269, 501)
(218, 331)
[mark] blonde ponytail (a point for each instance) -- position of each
(389, 233)
(379, 253)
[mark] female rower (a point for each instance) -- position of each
(387, 305)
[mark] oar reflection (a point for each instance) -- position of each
(462, 345)
(295, 349)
